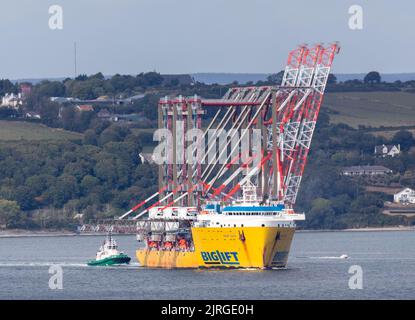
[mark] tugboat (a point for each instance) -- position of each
(109, 255)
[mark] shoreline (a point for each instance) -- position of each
(367, 229)
(20, 233)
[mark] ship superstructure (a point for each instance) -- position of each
(248, 211)
(230, 170)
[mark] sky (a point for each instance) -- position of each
(190, 36)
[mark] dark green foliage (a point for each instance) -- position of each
(48, 88)
(331, 79)
(73, 178)
(91, 87)
(48, 111)
(372, 77)
(405, 139)
(6, 86)
(8, 113)
(276, 78)
(10, 214)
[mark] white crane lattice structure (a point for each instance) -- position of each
(286, 116)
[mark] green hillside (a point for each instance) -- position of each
(17, 130)
(375, 109)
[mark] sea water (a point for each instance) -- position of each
(315, 270)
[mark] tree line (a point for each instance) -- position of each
(45, 183)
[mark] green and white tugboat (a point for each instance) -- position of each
(109, 255)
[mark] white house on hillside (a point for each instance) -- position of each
(12, 100)
(405, 196)
(147, 158)
(387, 150)
(365, 170)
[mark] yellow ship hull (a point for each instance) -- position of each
(244, 247)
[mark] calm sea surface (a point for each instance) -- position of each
(314, 271)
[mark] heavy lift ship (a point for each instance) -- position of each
(245, 234)
(235, 214)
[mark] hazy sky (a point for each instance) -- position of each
(187, 36)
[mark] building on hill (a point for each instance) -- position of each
(84, 107)
(134, 98)
(32, 115)
(104, 114)
(365, 170)
(25, 89)
(387, 150)
(405, 196)
(62, 100)
(101, 100)
(11, 100)
(147, 158)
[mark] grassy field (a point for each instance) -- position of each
(390, 133)
(16, 130)
(371, 108)
(387, 190)
(138, 130)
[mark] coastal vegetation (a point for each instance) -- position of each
(47, 182)
(334, 201)
(71, 164)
